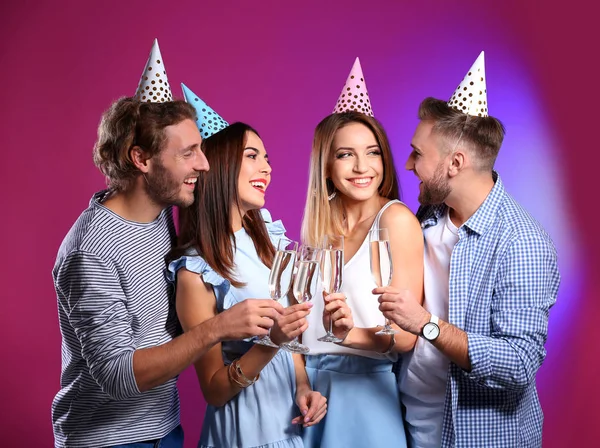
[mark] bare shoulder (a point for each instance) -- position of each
(399, 216)
(188, 281)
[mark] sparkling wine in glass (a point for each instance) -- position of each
(332, 267)
(305, 287)
(280, 278)
(381, 265)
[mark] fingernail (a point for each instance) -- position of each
(306, 419)
(310, 304)
(304, 411)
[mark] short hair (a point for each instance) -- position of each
(129, 123)
(483, 135)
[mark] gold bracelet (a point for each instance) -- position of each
(236, 375)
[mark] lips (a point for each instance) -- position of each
(259, 184)
(361, 182)
(191, 181)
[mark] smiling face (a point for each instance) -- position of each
(356, 165)
(426, 161)
(255, 174)
(173, 173)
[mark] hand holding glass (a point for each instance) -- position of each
(381, 265)
(332, 267)
(280, 278)
(305, 287)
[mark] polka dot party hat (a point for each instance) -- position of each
(154, 85)
(354, 95)
(470, 97)
(209, 122)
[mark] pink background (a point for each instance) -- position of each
(280, 66)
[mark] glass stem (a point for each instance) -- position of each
(330, 325)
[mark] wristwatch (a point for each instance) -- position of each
(431, 330)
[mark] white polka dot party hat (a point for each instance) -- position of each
(154, 85)
(209, 122)
(470, 97)
(354, 95)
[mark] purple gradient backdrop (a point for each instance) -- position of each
(280, 66)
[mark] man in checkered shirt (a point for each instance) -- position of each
(491, 277)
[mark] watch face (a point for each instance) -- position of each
(431, 331)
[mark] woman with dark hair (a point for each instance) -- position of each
(258, 396)
(353, 189)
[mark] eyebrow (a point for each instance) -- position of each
(252, 148)
(190, 148)
(352, 149)
(416, 148)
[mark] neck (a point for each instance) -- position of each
(236, 218)
(134, 204)
(468, 195)
(358, 211)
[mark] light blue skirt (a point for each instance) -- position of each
(363, 403)
(260, 415)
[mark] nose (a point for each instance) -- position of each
(201, 162)
(360, 166)
(410, 163)
(266, 169)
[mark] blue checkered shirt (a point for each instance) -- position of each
(503, 280)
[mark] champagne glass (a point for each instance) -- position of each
(381, 265)
(332, 267)
(280, 278)
(305, 287)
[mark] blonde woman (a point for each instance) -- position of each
(353, 188)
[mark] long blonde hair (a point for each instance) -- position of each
(321, 215)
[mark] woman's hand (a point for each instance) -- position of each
(337, 310)
(312, 405)
(291, 323)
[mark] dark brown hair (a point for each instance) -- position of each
(129, 123)
(483, 135)
(206, 225)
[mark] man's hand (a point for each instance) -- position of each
(291, 323)
(252, 317)
(401, 307)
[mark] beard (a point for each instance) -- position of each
(163, 188)
(435, 190)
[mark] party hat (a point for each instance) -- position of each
(154, 85)
(209, 122)
(354, 95)
(470, 97)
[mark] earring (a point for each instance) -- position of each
(330, 187)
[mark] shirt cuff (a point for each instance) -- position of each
(479, 356)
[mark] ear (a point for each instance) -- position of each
(140, 159)
(458, 162)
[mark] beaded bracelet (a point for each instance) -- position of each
(236, 375)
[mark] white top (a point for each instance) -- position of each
(424, 371)
(357, 285)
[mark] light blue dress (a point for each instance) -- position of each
(260, 415)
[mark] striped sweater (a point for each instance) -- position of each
(113, 298)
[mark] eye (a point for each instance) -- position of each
(188, 154)
(375, 152)
(343, 155)
(252, 155)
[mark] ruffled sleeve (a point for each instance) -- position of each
(195, 263)
(275, 229)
